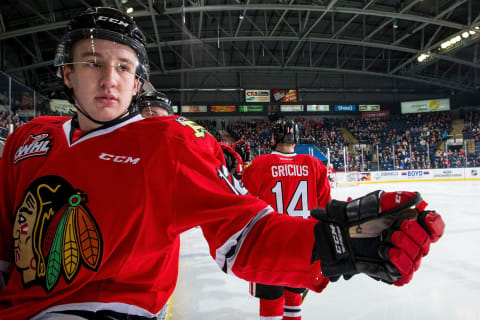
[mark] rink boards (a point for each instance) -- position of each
(446, 174)
(446, 287)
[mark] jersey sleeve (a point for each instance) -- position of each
(6, 203)
(239, 228)
(249, 179)
(323, 185)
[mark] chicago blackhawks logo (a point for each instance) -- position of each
(54, 234)
(34, 146)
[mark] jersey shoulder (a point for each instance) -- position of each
(309, 159)
(39, 125)
(46, 121)
(178, 131)
(263, 160)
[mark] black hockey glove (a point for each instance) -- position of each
(377, 234)
(232, 161)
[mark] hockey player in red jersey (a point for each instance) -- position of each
(331, 175)
(292, 184)
(91, 210)
(154, 104)
(233, 160)
(242, 147)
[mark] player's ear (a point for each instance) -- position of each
(67, 73)
(136, 86)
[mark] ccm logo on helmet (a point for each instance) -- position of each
(120, 159)
(112, 20)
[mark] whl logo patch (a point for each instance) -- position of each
(34, 146)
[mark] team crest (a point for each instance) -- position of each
(198, 130)
(54, 234)
(34, 146)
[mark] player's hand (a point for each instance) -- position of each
(232, 160)
(382, 234)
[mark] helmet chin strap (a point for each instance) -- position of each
(71, 99)
(103, 123)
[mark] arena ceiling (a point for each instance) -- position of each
(214, 49)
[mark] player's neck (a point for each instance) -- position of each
(285, 148)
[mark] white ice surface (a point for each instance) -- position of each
(446, 287)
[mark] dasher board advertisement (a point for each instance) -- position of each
(257, 95)
(425, 105)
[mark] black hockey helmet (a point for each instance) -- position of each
(154, 99)
(285, 131)
(107, 24)
(243, 149)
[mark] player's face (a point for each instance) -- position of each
(102, 76)
(23, 232)
(154, 112)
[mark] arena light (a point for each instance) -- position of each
(129, 10)
(455, 39)
(445, 44)
(424, 56)
(465, 35)
(395, 23)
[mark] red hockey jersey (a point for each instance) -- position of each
(291, 183)
(94, 224)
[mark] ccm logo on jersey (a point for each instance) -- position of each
(119, 159)
(34, 146)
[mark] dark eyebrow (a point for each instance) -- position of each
(95, 54)
(90, 54)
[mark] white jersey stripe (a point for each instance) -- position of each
(235, 242)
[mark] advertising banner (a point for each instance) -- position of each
(187, 109)
(273, 108)
(318, 107)
(284, 95)
(291, 108)
(472, 173)
(250, 108)
(345, 107)
(222, 108)
(369, 107)
(62, 106)
(425, 105)
(375, 114)
(257, 95)
(445, 174)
